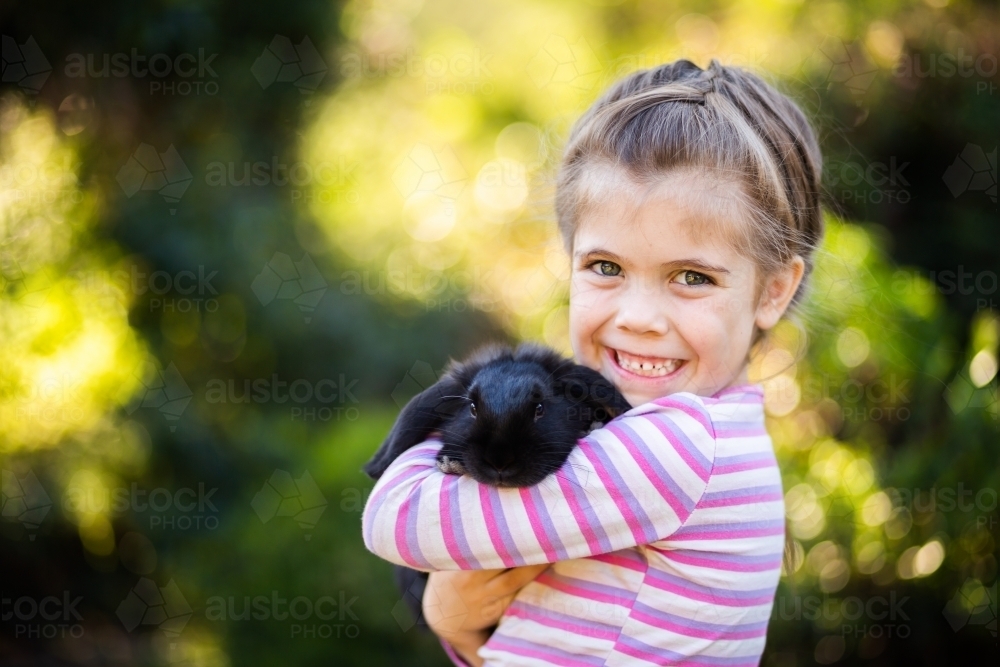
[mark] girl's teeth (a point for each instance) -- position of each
(648, 368)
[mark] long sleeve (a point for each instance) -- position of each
(633, 482)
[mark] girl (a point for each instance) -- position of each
(688, 200)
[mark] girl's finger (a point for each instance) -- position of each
(516, 578)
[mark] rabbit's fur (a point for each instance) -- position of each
(507, 418)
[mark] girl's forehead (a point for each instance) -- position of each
(683, 211)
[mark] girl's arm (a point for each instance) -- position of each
(633, 482)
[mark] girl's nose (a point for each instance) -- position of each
(639, 312)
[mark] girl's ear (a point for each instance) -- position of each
(779, 289)
(424, 413)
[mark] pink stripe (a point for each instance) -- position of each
(616, 495)
(742, 433)
(741, 500)
(745, 465)
(640, 654)
(695, 414)
(404, 476)
(675, 504)
(581, 627)
(695, 632)
(693, 534)
(501, 645)
(492, 528)
(537, 526)
(720, 564)
(707, 597)
(621, 561)
(400, 534)
(550, 581)
(593, 545)
(448, 530)
(679, 447)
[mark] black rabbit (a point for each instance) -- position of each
(507, 418)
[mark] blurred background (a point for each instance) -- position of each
(236, 237)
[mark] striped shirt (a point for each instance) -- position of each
(665, 530)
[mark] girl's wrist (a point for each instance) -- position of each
(465, 645)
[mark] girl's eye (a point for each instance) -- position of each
(539, 410)
(693, 278)
(608, 268)
(472, 410)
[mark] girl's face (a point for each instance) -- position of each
(660, 302)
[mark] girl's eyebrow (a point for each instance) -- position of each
(696, 264)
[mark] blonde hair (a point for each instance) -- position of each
(723, 119)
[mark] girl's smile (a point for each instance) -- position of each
(661, 301)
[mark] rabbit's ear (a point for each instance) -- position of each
(582, 385)
(425, 412)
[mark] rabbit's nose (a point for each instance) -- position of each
(500, 463)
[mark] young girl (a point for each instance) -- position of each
(688, 200)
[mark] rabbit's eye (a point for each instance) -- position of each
(472, 409)
(539, 410)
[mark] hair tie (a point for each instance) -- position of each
(710, 76)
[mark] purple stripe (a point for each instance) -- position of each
(687, 449)
(694, 410)
(734, 424)
(747, 495)
(732, 530)
(721, 561)
(701, 629)
(738, 433)
(722, 596)
(755, 461)
(742, 389)
(522, 647)
(662, 656)
(410, 551)
(456, 523)
(583, 502)
(504, 526)
(627, 558)
(662, 480)
(377, 499)
(565, 622)
(752, 457)
(621, 495)
(550, 530)
(604, 592)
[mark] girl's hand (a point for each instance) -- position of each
(459, 605)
